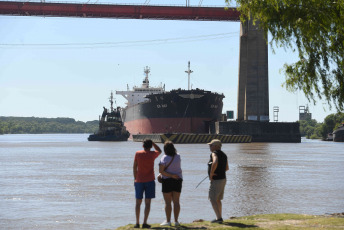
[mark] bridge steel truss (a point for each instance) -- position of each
(118, 11)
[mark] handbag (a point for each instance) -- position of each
(159, 177)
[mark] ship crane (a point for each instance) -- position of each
(189, 71)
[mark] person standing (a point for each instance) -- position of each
(172, 178)
(144, 177)
(217, 167)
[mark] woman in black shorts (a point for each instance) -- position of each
(172, 178)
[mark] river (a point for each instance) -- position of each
(62, 181)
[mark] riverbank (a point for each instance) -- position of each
(266, 221)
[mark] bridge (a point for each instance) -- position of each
(119, 11)
(253, 89)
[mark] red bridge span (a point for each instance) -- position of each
(47, 9)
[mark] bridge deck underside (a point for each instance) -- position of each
(119, 11)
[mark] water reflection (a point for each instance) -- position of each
(252, 179)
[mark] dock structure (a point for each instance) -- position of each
(283, 132)
(191, 138)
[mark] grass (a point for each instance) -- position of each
(266, 221)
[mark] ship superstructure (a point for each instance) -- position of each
(138, 94)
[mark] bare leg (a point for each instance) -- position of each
(168, 206)
(147, 210)
(137, 210)
(176, 205)
(219, 205)
(216, 208)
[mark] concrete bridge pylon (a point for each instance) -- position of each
(253, 87)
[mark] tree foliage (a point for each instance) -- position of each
(331, 122)
(310, 128)
(313, 28)
(33, 125)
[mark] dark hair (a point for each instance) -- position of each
(169, 149)
(147, 144)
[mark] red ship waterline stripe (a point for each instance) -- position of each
(167, 125)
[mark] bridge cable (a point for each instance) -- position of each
(121, 43)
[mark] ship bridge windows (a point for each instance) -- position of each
(112, 119)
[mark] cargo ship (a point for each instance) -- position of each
(153, 110)
(111, 126)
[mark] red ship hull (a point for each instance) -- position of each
(177, 111)
(168, 125)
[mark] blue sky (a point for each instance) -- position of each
(67, 67)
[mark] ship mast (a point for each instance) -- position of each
(189, 71)
(111, 101)
(145, 83)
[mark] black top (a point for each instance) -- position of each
(220, 171)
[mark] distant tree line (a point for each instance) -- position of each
(34, 125)
(311, 129)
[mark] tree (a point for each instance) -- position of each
(45, 125)
(310, 128)
(316, 30)
(331, 122)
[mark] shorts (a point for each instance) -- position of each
(171, 185)
(146, 187)
(217, 189)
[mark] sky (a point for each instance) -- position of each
(67, 67)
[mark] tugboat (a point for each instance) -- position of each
(111, 127)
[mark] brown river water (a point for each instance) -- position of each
(62, 181)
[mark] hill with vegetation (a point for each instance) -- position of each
(35, 125)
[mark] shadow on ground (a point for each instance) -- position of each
(239, 225)
(231, 224)
(180, 227)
